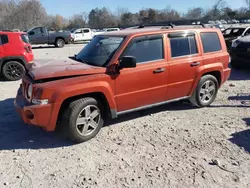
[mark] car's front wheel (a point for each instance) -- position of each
(83, 119)
(13, 70)
(205, 92)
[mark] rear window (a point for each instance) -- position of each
(4, 39)
(210, 42)
(25, 38)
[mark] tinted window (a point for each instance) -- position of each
(146, 49)
(210, 42)
(79, 31)
(4, 39)
(182, 46)
(38, 30)
(193, 46)
(86, 31)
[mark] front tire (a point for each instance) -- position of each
(13, 71)
(60, 43)
(206, 91)
(83, 119)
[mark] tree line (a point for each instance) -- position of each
(25, 14)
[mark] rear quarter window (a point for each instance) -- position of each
(211, 42)
(25, 38)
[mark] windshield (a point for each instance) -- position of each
(72, 30)
(100, 50)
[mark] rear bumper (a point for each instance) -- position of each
(37, 115)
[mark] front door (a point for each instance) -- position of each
(184, 63)
(79, 35)
(145, 84)
(38, 36)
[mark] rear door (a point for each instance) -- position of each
(184, 60)
(87, 34)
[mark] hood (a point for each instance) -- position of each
(62, 68)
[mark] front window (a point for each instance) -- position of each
(146, 49)
(100, 50)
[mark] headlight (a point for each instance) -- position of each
(235, 43)
(29, 92)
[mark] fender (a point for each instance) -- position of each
(85, 88)
(206, 69)
(69, 91)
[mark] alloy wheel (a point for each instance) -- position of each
(207, 91)
(88, 120)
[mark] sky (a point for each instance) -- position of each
(67, 8)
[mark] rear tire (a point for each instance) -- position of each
(82, 120)
(59, 43)
(206, 91)
(13, 71)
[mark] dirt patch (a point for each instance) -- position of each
(170, 146)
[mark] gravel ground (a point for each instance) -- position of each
(170, 146)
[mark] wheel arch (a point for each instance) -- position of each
(60, 37)
(216, 74)
(99, 96)
(7, 59)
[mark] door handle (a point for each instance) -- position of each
(194, 64)
(159, 70)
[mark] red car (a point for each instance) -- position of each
(15, 55)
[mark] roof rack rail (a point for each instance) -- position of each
(166, 26)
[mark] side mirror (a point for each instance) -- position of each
(127, 62)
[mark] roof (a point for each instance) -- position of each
(155, 30)
(238, 27)
(10, 32)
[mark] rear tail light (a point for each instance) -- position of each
(28, 49)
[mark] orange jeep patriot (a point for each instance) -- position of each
(122, 72)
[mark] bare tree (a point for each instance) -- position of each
(78, 20)
(195, 13)
(248, 4)
(21, 14)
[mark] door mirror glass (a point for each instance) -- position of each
(127, 62)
